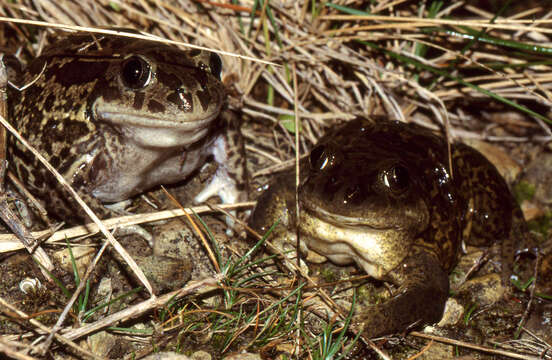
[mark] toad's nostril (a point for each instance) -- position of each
(186, 100)
(353, 195)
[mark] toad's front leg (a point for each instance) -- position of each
(420, 299)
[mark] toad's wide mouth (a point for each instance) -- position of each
(178, 121)
(156, 131)
(331, 228)
(377, 250)
(340, 220)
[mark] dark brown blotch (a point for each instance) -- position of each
(80, 71)
(139, 98)
(49, 102)
(204, 99)
(202, 78)
(23, 173)
(75, 129)
(65, 152)
(55, 161)
(39, 180)
(155, 106)
(108, 92)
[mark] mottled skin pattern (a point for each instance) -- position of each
(117, 116)
(381, 195)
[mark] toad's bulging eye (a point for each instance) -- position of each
(215, 64)
(136, 72)
(396, 179)
(317, 158)
(323, 158)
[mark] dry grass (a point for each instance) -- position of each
(458, 69)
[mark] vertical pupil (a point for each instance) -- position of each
(215, 65)
(133, 71)
(316, 157)
(399, 177)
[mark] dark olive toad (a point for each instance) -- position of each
(382, 195)
(117, 116)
